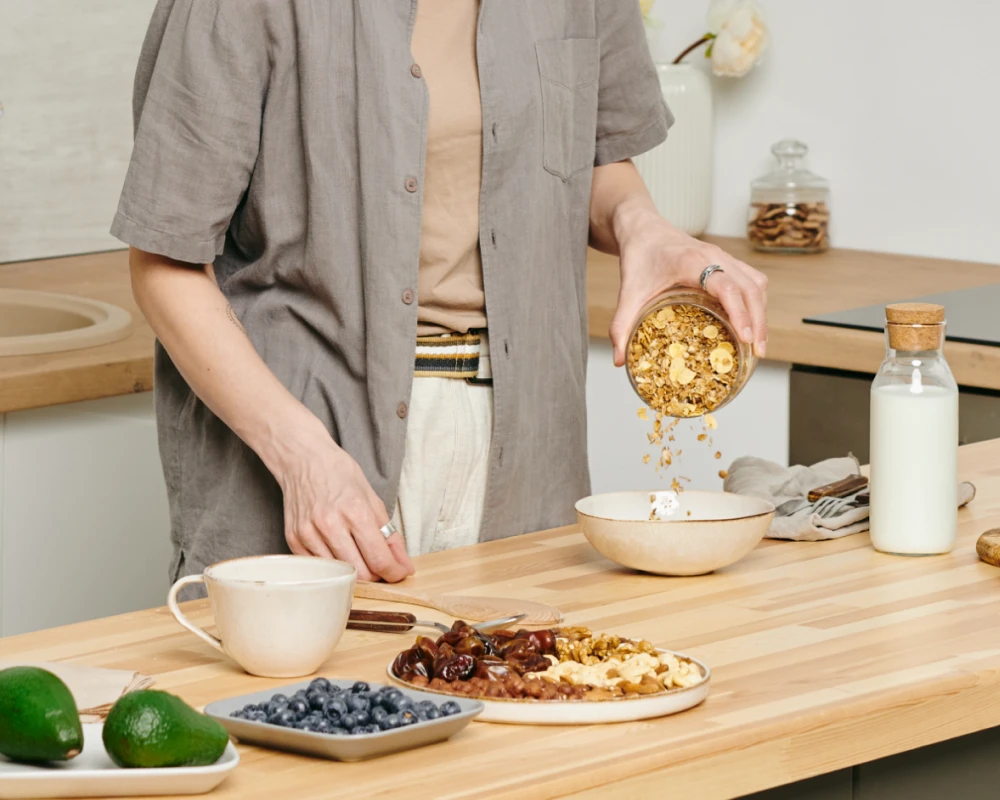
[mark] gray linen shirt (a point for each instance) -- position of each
(284, 141)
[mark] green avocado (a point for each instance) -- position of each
(156, 729)
(38, 716)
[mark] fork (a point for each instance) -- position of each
(827, 507)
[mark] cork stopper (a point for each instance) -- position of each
(915, 326)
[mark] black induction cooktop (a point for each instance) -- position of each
(973, 315)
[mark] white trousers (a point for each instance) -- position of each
(443, 483)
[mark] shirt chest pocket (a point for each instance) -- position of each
(569, 70)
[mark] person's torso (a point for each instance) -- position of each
(322, 258)
(450, 293)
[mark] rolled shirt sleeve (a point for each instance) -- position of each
(198, 102)
(632, 116)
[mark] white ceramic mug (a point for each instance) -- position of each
(277, 616)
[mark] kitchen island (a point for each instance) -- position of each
(824, 656)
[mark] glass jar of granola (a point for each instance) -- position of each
(684, 358)
(789, 207)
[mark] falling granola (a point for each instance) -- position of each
(683, 363)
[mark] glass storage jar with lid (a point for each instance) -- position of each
(684, 358)
(789, 206)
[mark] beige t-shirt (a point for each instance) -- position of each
(450, 284)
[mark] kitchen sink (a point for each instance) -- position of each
(41, 322)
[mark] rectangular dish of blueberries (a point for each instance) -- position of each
(342, 720)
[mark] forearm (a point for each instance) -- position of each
(619, 205)
(198, 328)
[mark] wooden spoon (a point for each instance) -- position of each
(472, 609)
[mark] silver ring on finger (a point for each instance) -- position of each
(388, 530)
(707, 273)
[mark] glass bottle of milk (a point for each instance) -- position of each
(914, 437)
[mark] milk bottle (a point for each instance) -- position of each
(914, 437)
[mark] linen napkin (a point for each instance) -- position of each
(787, 489)
(94, 689)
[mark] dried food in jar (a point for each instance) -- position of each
(683, 362)
(789, 226)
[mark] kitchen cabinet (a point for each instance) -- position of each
(756, 423)
(84, 529)
(829, 414)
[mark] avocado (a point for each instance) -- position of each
(155, 729)
(38, 716)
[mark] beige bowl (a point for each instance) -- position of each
(721, 529)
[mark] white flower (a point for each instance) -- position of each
(741, 36)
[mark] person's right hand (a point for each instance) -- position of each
(332, 511)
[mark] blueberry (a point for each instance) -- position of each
(259, 716)
(298, 707)
(238, 713)
(275, 706)
(321, 726)
(432, 713)
(316, 699)
(391, 722)
(301, 693)
(335, 709)
(284, 718)
(378, 714)
(357, 702)
(279, 698)
(335, 731)
(426, 705)
(320, 683)
(363, 717)
(391, 695)
(360, 686)
(408, 718)
(301, 725)
(372, 729)
(450, 708)
(348, 721)
(356, 730)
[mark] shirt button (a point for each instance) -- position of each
(415, 71)
(408, 296)
(401, 410)
(410, 184)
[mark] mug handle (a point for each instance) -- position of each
(179, 616)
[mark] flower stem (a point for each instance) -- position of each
(704, 39)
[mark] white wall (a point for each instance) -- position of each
(66, 69)
(897, 100)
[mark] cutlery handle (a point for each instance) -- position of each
(381, 621)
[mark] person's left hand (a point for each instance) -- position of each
(655, 256)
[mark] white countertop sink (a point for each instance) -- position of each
(32, 323)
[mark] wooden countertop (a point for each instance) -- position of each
(113, 369)
(838, 280)
(799, 286)
(823, 655)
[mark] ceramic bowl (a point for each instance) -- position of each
(720, 529)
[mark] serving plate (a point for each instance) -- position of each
(94, 774)
(341, 748)
(587, 712)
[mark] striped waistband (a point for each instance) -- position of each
(458, 355)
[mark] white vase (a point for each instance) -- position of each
(679, 171)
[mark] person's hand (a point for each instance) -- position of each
(332, 511)
(655, 256)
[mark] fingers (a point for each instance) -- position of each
(396, 542)
(630, 303)
(742, 290)
(727, 288)
(753, 287)
(373, 545)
